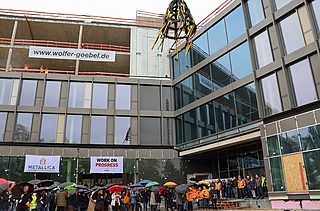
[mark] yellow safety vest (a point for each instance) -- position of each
(33, 202)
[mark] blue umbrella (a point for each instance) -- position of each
(144, 182)
(135, 185)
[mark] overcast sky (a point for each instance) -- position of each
(110, 8)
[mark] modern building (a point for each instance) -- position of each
(243, 101)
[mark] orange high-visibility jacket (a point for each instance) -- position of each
(218, 186)
(205, 193)
(194, 193)
(200, 195)
(189, 195)
(241, 183)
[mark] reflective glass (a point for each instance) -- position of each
(122, 130)
(289, 142)
(98, 131)
(240, 61)
(5, 90)
(277, 174)
(175, 65)
(302, 83)
(250, 160)
(184, 61)
(48, 128)
(23, 127)
(178, 129)
(310, 137)
(52, 95)
(177, 96)
(221, 72)
(223, 164)
(271, 96)
(167, 131)
(233, 163)
(255, 12)
(150, 131)
(3, 120)
(217, 36)
(123, 97)
(206, 123)
(312, 163)
(187, 90)
(280, 3)
(76, 93)
(315, 7)
(273, 146)
(200, 49)
(150, 98)
(100, 96)
(190, 125)
(235, 24)
(28, 92)
(291, 34)
(225, 112)
(73, 129)
(203, 83)
(166, 98)
(262, 49)
(246, 102)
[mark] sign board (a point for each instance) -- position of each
(72, 54)
(106, 165)
(42, 164)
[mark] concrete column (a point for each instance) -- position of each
(79, 45)
(13, 36)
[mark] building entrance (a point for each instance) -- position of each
(92, 179)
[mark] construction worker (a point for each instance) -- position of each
(190, 199)
(41, 69)
(218, 188)
(194, 197)
(10, 68)
(200, 198)
(264, 185)
(241, 185)
(46, 70)
(33, 204)
(206, 195)
(25, 68)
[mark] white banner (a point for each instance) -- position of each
(42, 164)
(71, 53)
(106, 165)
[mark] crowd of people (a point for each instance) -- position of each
(196, 196)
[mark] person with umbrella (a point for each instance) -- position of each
(126, 200)
(25, 199)
(133, 200)
(138, 201)
(115, 200)
(75, 200)
(42, 201)
(61, 199)
(5, 197)
(83, 201)
(179, 201)
(153, 201)
(146, 195)
(100, 201)
(168, 199)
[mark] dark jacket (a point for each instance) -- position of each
(167, 194)
(83, 202)
(4, 204)
(146, 196)
(252, 184)
(27, 197)
(258, 181)
(100, 202)
(235, 183)
(75, 200)
(179, 198)
(229, 184)
(42, 201)
(158, 198)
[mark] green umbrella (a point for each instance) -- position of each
(151, 184)
(70, 187)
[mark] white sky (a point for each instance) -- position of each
(110, 8)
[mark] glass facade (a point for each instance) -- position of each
(200, 49)
(255, 12)
(150, 98)
(122, 130)
(100, 96)
(302, 83)
(167, 131)
(291, 33)
(98, 132)
(206, 121)
(310, 137)
(52, 94)
(3, 121)
(48, 128)
(315, 8)
(240, 62)
(150, 131)
(217, 36)
(187, 90)
(262, 49)
(225, 112)
(190, 126)
(76, 95)
(73, 129)
(166, 98)
(5, 87)
(280, 3)
(311, 161)
(22, 130)
(123, 97)
(203, 84)
(278, 182)
(235, 24)
(28, 92)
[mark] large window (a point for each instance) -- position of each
(291, 33)
(100, 96)
(76, 93)
(255, 12)
(190, 125)
(175, 65)
(167, 131)
(122, 130)
(73, 129)
(23, 127)
(184, 61)
(177, 96)
(28, 92)
(5, 90)
(235, 24)
(203, 83)
(150, 131)
(150, 98)
(225, 112)
(217, 36)
(280, 3)
(270, 95)
(262, 49)
(312, 162)
(52, 94)
(289, 142)
(98, 130)
(277, 174)
(240, 61)
(123, 97)
(187, 89)
(178, 120)
(200, 49)
(206, 121)
(221, 72)
(310, 137)
(3, 120)
(273, 146)
(48, 128)
(302, 83)
(166, 99)
(315, 7)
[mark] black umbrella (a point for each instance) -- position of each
(65, 184)
(38, 190)
(17, 190)
(55, 185)
(3, 187)
(183, 188)
(46, 183)
(34, 182)
(138, 188)
(155, 189)
(80, 187)
(124, 186)
(107, 186)
(193, 179)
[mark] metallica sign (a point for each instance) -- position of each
(42, 164)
